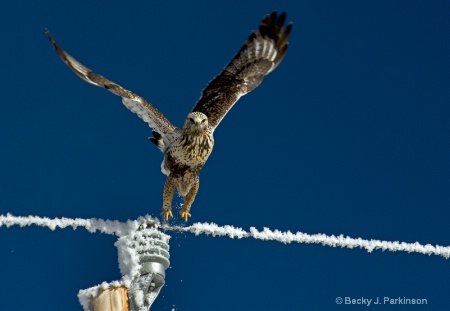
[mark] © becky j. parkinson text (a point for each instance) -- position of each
(380, 301)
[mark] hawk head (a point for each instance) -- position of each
(196, 122)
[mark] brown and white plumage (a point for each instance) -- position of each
(186, 149)
(261, 54)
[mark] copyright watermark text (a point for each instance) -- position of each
(374, 301)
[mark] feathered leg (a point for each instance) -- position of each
(189, 199)
(169, 189)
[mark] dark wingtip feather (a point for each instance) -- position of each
(52, 41)
(288, 29)
(273, 15)
(281, 19)
(273, 27)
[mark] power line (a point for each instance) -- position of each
(123, 228)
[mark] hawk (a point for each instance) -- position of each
(186, 149)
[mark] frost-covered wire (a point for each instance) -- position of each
(92, 225)
(123, 228)
(299, 237)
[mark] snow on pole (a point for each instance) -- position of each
(143, 258)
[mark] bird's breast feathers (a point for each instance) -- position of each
(192, 150)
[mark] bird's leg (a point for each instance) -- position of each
(189, 199)
(169, 189)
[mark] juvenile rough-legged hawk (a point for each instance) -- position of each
(186, 149)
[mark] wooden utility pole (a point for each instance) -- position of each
(110, 299)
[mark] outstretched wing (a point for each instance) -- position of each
(260, 54)
(137, 104)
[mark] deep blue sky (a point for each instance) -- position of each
(350, 134)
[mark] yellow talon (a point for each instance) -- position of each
(167, 214)
(185, 215)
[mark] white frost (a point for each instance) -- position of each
(299, 237)
(122, 229)
(92, 225)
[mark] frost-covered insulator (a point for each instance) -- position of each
(144, 256)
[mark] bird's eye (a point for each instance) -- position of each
(203, 121)
(192, 120)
